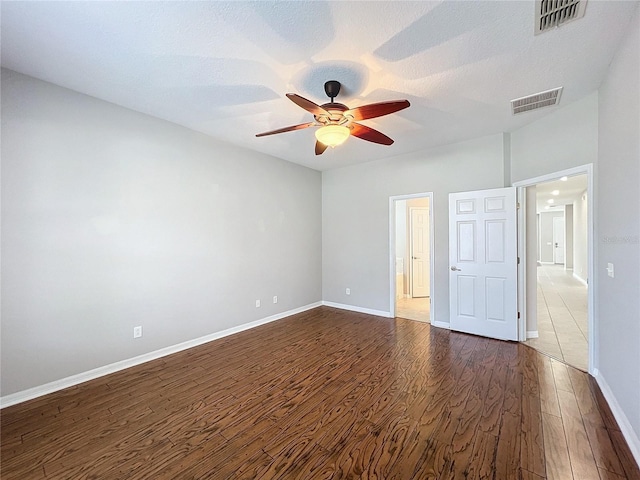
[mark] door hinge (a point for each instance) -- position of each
(518, 260)
(518, 205)
(518, 314)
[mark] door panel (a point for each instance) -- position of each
(483, 263)
(558, 240)
(420, 252)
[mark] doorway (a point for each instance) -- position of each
(556, 245)
(411, 252)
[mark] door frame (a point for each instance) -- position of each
(592, 286)
(392, 251)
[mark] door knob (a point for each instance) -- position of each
(456, 269)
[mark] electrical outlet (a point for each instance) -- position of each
(275, 299)
(137, 332)
(348, 291)
(257, 303)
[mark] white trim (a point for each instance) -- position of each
(67, 382)
(521, 232)
(581, 170)
(353, 308)
(546, 263)
(392, 253)
(440, 324)
(591, 251)
(623, 422)
(532, 334)
(580, 279)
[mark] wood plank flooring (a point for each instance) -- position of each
(326, 394)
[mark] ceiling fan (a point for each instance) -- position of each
(337, 121)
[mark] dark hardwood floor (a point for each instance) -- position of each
(326, 394)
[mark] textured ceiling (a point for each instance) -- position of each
(223, 68)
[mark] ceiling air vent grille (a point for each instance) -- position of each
(533, 102)
(555, 13)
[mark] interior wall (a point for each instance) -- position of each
(618, 229)
(568, 237)
(566, 138)
(113, 219)
(355, 213)
(580, 239)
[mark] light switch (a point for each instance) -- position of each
(610, 269)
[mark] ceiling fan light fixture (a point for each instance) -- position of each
(332, 135)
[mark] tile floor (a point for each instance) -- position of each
(562, 316)
(413, 308)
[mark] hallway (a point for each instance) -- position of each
(413, 308)
(562, 316)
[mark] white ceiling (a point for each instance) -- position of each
(223, 68)
(569, 191)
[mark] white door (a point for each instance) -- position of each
(558, 240)
(483, 263)
(420, 261)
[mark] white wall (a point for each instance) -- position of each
(580, 238)
(112, 219)
(566, 138)
(618, 231)
(355, 213)
(568, 237)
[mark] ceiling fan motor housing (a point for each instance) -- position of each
(335, 116)
(332, 89)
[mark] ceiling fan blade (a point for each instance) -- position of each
(287, 129)
(320, 148)
(308, 105)
(369, 134)
(374, 110)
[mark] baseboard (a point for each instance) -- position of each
(532, 334)
(73, 380)
(580, 279)
(623, 422)
(439, 324)
(353, 308)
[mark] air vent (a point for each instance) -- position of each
(555, 13)
(533, 102)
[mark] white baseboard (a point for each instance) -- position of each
(56, 385)
(532, 334)
(440, 324)
(580, 279)
(623, 422)
(353, 308)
